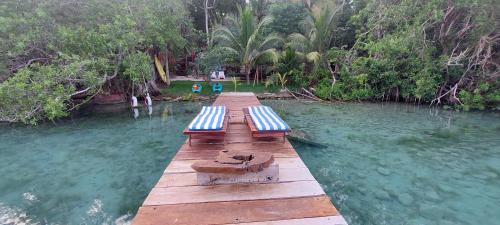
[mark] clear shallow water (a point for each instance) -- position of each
(401, 164)
(384, 164)
(96, 169)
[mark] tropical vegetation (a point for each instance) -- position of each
(243, 35)
(56, 55)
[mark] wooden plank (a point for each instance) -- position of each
(236, 114)
(232, 192)
(189, 179)
(297, 198)
(184, 166)
(236, 212)
(237, 94)
(240, 146)
(249, 121)
(238, 132)
(237, 139)
(237, 120)
(211, 154)
(328, 220)
(260, 145)
(237, 126)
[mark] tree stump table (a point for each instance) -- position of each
(237, 167)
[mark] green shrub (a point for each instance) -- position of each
(290, 63)
(485, 94)
(43, 91)
(213, 58)
(137, 67)
(287, 18)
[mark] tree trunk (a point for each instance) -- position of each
(256, 76)
(152, 82)
(167, 71)
(247, 72)
(205, 8)
(334, 80)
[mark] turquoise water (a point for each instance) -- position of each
(384, 164)
(95, 169)
(403, 164)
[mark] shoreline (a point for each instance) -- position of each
(260, 96)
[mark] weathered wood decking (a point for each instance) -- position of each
(296, 199)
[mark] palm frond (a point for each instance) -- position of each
(265, 21)
(301, 56)
(268, 56)
(252, 44)
(229, 49)
(314, 57)
(250, 48)
(270, 41)
(232, 20)
(308, 22)
(247, 25)
(298, 42)
(244, 38)
(227, 38)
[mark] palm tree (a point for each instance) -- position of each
(316, 41)
(244, 36)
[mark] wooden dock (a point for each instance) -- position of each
(296, 199)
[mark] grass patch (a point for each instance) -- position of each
(181, 88)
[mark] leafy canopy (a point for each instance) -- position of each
(243, 36)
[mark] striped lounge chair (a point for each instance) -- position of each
(264, 122)
(211, 123)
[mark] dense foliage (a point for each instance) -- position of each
(426, 51)
(58, 54)
(287, 18)
(435, 52)
(213, 58)
(43, 91)
(243, 36)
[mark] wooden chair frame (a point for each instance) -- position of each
(209, 134)
(260, 134)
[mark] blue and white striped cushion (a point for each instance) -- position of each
(210, 118)
(266, 119)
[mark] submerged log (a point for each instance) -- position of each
(280, 95)
(303, 137)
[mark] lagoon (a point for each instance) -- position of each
(383, 164)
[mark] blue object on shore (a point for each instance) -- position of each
(217, 88)
(196, 88)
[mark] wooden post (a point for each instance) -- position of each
(167, 71)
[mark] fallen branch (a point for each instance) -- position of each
(312, 95)
(80, 92)
(291, 93)
(31, 61)
(86, 100)
(307, 96)
(453, 90)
